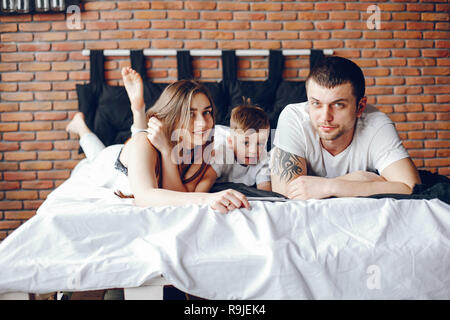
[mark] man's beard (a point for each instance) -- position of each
(338, 132)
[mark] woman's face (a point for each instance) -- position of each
(201, 121)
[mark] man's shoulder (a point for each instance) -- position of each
(374, 117)
(299, 110)
(371, 122)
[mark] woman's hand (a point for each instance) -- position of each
(157, 137)
(227, 200)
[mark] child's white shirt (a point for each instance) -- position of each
(229, 170)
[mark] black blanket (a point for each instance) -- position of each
(246, 190)
(433, 186)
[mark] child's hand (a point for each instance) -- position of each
(228, 200)
(157, 137)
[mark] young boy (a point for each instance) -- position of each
(242, 157)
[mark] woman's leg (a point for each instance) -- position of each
(135, 89)
(89, 142)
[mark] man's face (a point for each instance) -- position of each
(333, 112)
(248, 146)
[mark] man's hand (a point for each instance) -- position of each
(308, 187)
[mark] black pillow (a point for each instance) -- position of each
(216, 89)
(107, 108)
(291, 91)
(261, 93)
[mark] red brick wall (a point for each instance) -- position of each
(406, 65)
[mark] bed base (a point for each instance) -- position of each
(150, 290)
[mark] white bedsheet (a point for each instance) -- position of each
(85, 238)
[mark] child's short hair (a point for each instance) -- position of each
(249, 116)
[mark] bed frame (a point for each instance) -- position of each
(150, 290)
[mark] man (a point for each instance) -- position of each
(332, 145)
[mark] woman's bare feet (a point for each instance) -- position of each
(135, 89)
(77, 125)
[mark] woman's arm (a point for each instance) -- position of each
(171, 177)
(141, 161)
(207, 181)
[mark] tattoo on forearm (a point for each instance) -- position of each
(285, 164)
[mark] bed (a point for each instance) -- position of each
(83, 238)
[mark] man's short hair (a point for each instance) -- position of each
(249, 116)
(332, 71)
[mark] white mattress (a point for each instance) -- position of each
(85, 238)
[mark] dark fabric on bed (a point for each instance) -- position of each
(246, 190)
(433, 186)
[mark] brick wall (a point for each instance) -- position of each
(405, 62)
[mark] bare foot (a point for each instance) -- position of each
(135, 89)
(77, 125)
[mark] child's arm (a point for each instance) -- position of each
(266, 185)
(263, 176)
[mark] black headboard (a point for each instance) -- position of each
(107, 108)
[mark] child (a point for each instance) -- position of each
(242, 157)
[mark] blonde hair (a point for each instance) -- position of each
(249, 116)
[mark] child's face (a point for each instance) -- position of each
(248, 146)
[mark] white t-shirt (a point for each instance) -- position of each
(228, 169)
(374, 147)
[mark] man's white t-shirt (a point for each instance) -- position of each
(228, 169)
(374, 147)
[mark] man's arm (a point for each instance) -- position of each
(399, 177)
(284, 168)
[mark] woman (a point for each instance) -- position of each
(166, 163)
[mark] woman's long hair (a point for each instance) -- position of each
(173, 109)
